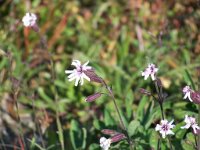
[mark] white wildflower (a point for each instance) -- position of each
(29, 20)
(78, 73)
(165, 128)
(190, 122)
(105, 143)
(150, 71)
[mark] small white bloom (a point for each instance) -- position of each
(78, 73)
(187, 91)
(29, 20)
(105, 143)
(150, 71)
(190, 122)
(165, 128)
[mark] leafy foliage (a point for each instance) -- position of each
(119, 38)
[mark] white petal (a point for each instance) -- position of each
(152, 77)
(194, 129)
(77, 80)
(85, 64)
(170, 132)
(76, 63)
(190, 98)
(163, 134)
(86, 77)
(69, 71)
(158, 127)
(186, 126)
(72, 78)
(171, 122)
(82, 81)
(164, 121)
(102, 139)
(71, 75)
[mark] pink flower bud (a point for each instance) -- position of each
(118, 137)
(145, 92)
(93, 97)
(93, 77)
(109, 132)
(195, 96)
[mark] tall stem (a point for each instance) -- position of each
(160, 101)
(58, 122)
(119, 115)
(162, 112)
(195, 138)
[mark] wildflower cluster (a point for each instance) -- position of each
(165, 127)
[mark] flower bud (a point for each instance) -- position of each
(93, 97)
(195, 96)
(109, 132)
(145, 92)
(93, 77)
(197, 132)
(118, 137)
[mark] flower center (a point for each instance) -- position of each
(165, 127)
(80, 70)
(152, 69)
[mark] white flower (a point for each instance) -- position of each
(78, 73)
(29, 20)
(165, 128)
(190, 122)
(105, 143)
(150, 71)
(187, 91)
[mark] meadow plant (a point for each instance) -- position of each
(165, 127)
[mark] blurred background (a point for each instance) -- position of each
(41, 109)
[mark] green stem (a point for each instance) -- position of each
(160, 101)
(119, 115)
(158, 144)
(59, 126)
(195, 138)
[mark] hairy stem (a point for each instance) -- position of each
(119, 115)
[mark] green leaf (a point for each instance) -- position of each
(141, 108)
(77, 136)
(188, 79)
(108, 118)
(132, 127)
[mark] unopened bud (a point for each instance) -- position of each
(93, 77)
(35, 27)
(195, 96)
(145, 92)
(197, 132)
(118, 137)
(93, 97)
(109, 132)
